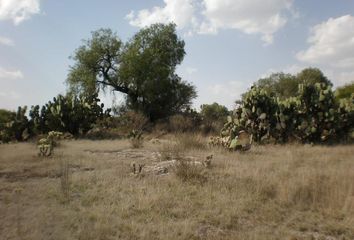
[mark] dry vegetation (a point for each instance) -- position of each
(86, 191)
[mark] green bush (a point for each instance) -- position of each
(14, 125)
(213, 116)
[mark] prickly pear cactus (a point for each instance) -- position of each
(317, 114)
(313, 116)
(232, 137)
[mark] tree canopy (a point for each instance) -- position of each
(214, 112)
(346, 91)
(281, 84)
(143, 69)
(284, 85)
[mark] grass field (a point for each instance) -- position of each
(87, 191)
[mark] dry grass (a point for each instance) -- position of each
(192, 173)
(186, 142)
(137, 142)
(270, 192)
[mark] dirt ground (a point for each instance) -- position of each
(87, 190)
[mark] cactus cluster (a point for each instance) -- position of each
(71, 114)
(314, 116)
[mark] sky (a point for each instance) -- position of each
(229, 43)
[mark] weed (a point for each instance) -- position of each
(188, 171)
(65, 180)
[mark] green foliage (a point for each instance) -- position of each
(73, 114)
(311, 76)
(6, 118)
(345, 120)
(143, 69)
(317, 113)
(284, 85)
(287, 119)
(281, 84)
(257, 115)
(346, 91)
(213, 112)
(232, 136)
(313, 116)
(212, 117)
(272, 111)
(14, 125)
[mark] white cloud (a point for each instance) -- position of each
(6, 41)
(180, 12)
(332, 49)
(225, 93)
(292, 69)
(339, 78)
(249, 16)
(264, 17)
(332, 43)
(18, 10)
(7, 74)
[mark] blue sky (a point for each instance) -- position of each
(229, 43)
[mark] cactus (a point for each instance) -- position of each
(232, 137)
(313, 116)
(46, 145)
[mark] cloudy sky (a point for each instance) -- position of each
(229, 43)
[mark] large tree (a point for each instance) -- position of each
(143, 69)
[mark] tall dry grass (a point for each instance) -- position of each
(270, 192)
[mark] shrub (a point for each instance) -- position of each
(189, 172)
(14, 125)
(46, 145)
(129, 121)
(136, 138)
(213, 117)
(180, 123)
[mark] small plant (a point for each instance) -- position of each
(65, 180)
(190, 172)
(170, 151)
(46, 145)
(136, 138)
